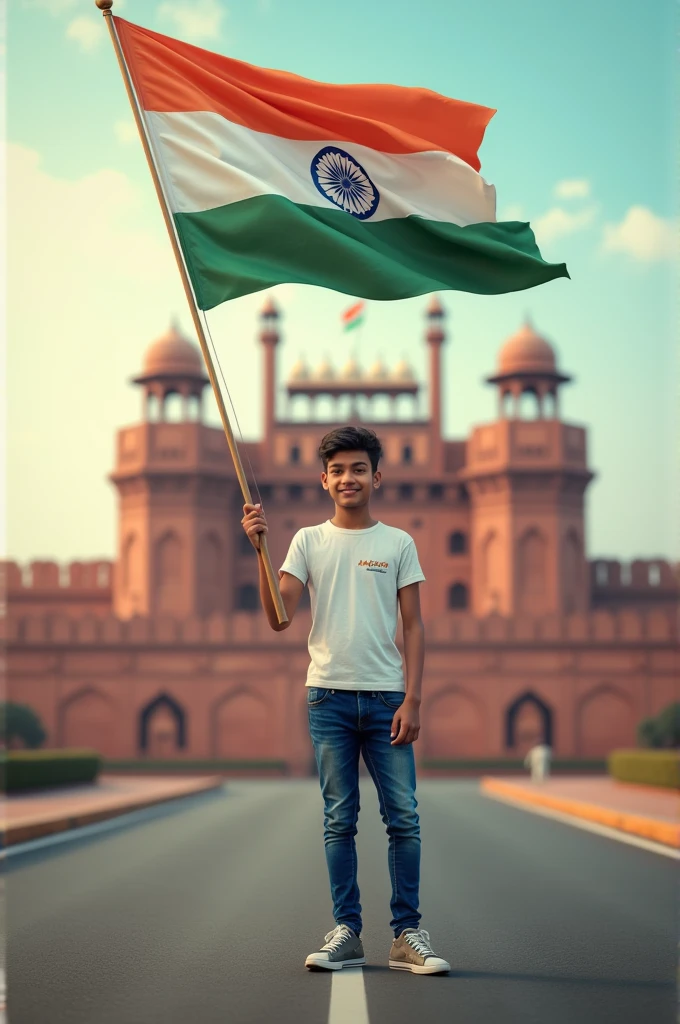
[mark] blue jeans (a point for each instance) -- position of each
(342, 723)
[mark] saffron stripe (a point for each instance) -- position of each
(171, 75)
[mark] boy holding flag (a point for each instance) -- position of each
(358, 570)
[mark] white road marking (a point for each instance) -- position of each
(589, 826)
(348, 997)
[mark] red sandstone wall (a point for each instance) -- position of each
(239, 687)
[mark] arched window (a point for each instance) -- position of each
(405, 492)
(458, 596)
(130, 562)
(528, 721)
(295, 453)
(162, 726)
(407, 455)
(173, 407)
(247, 598)
(457, 543)
(528, 405)
(168, 575)
(532, 571)
(654, 575)
(295, 492)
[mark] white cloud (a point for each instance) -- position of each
(642, 235)
(68, 235)
(89, 34)
(572, 188)
(556, 222)
(126, 131)
(201, 19)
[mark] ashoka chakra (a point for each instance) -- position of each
(343, 181)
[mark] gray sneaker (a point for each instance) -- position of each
(412, 952)
(342, 949)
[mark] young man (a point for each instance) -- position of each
(358, 570)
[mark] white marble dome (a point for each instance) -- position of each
(351, 370)
(299, 370)
(403, 371)
(324, 371)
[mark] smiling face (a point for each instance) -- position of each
(349, 479)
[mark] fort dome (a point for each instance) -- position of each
(351, 370)
(299, 370)
(526, 352)
(324, 371)
(173, 355)
(403, 371)
(378, 370)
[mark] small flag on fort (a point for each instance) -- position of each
(354, 316)
(371, 190)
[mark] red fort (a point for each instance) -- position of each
(164, 653)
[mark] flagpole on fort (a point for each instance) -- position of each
(105, 7)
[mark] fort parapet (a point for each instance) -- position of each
(638, 585)
(625, 626)
(75, 588)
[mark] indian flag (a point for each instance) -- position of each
(354, 316)
(371, 190)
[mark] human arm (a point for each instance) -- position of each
(255, 525)
(406, 721)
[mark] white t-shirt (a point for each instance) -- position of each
(353, 577)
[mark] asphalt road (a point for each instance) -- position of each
(205, 913)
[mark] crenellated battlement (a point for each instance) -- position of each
(40, 631)
(42, 577)
(653, 575)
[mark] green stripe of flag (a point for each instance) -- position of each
(267, 240)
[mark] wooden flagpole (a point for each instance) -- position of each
(263, 551)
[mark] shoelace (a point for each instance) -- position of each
(420, 941)
(336, 938)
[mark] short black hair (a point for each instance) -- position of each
(351, 439)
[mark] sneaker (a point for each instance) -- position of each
(412, 952)
(343, 948)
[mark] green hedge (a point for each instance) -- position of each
(177, 765)
(647, 767)
(34, 769)
(515, 764)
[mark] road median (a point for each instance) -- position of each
(34, 815)
(602, 801)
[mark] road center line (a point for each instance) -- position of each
(588, 826)
(348, 997)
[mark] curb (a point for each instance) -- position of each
(36, 828)
(647, 828)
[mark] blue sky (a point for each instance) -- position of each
(583, 146)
